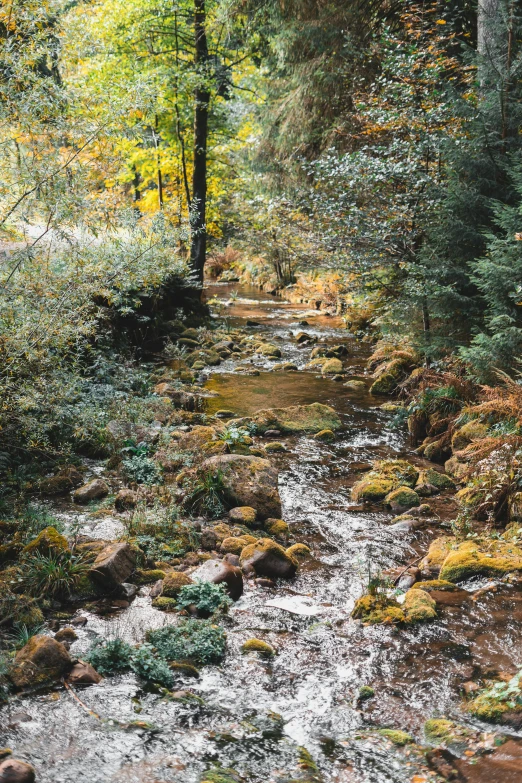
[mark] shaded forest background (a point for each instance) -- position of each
(371, 149)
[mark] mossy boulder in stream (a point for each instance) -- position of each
(378, 610)
(299, 552)
(266, 558)
(173, 583)
(418, 606)
(371, 489)
(489, 558)
(399, 738)
(269, 350)
(298, 418)
(257, 645)
(249, 481)
(41, 661)
(439, 731)
(332, 367)
(402, 498)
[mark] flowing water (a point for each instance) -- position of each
(257, 716)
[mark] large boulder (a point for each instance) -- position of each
(41, 661)
(469, 559)
(266, 558)
(94, 490)
(249, 481)
(219, 572)
(16, 771)
(113, 566)
(298, 418)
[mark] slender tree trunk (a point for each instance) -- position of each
(158, 161)
(198, 248)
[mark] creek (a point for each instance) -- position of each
(262, 717)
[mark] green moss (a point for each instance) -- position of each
(173, 582)
(396, 736)
(299, 551)
(269, 350)
(402, 472)
(274, 448)
(440, 730)
(277, 528)
(371, 490)
(418, 607)
(165, 604)
(365, 692)
(434, 584)
(402, 497)
(473, 430)
(299, 418)
(220, 775)
(49, 540)
(469, 559)
(437, 479)
(325, 436)
(385, 384)
(256, 645)
(377, 610)
(184, 668)
(493, 702)
(143, 576)
(332, 367)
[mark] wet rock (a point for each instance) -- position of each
(243, 515)
(47, 542)
(145, 576)
(402, 498)
(272, 433)
(355, 385)
(418, 606)
(264, 582)
(16, 771)
(113, 566)
(79, 622)
(269, 350)
(257, 645)
(303, 337)
(274, 447)
(332, 367)
(233, 545)
(266, 558)
(224, 414)
(94, 490)
(66, 636)
(63, 482)
(442, 762)
(232, 559)
(371, 490)
(41, 661)
(156, 589)
(250, 481)
(377, 610)
(299, 418)
(82, 673)
(299, 552)
(125, 499)
(277, 528)
(173, 583)
(219, 572)
(468, 560)
(324, 436)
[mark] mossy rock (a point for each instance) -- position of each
(243, 515)
(274, 447)
(184, 668)
(439, 480)
(233, 545)
(440, 730)
(435, 584)
(332, 367)
(469, 559)
(385, 384)
(399, 738)
(269, 350)
(173, 582)
(402, 472)
(437, 553)
(145, 576)
(64, 481)
(277, 528)
(325, 436)
(41, 661)
(10, 552)
(472, 431)
(299, 552)
(402, 498)
(269, 559)
(436, 451)
(165, 604)
(23, 610)
(365, 692)
(256, 645)
(371, 490)
(418, 606)
(355, 385)
(298, 418)
(220, 775)
(378, 610)
(46, 542)
(456, 468)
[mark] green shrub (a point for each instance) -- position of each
(207, 597)
(54, 574)
(110, 657)
(199, 641)
(208, 496)
(151, 668)
(137, 464)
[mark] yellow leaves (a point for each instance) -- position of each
(441, 21)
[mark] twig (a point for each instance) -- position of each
(80, 702)
(408, 566)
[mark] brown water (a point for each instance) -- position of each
(323, 655)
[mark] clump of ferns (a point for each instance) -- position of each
(57, 573)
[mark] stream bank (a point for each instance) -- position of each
(298, 715)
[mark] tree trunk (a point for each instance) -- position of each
(198, 248)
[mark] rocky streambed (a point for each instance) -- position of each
(329, 697)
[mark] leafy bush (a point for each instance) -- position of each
(159, 532)
(199, 641)
(233, 435)
(138, 466)
(110, 657)
(207, 597)
(147, 665)
(56, 573)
